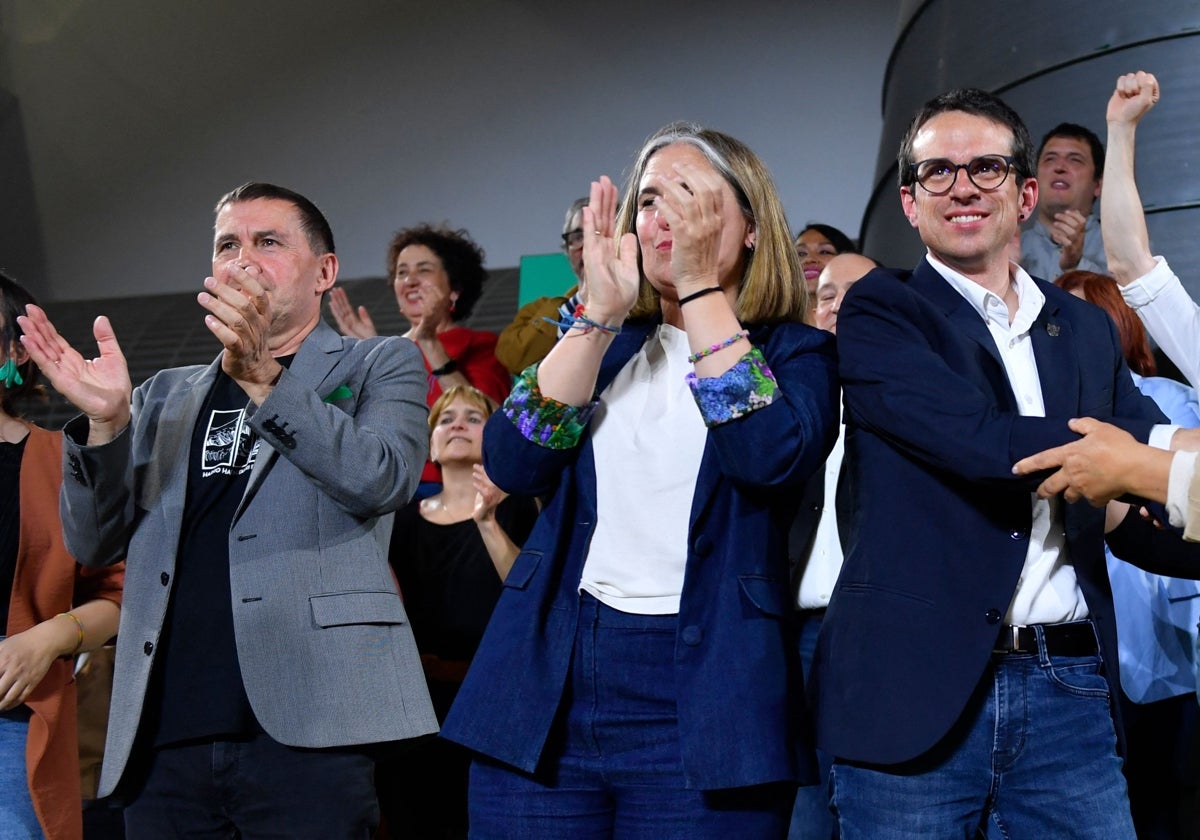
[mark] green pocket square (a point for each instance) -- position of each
(340, 393)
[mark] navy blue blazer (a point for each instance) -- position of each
(742, 716)
(940, 524)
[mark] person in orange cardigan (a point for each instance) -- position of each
(51, 609)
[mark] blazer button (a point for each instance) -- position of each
(993, 616)
(165, 578)
(702, 545)
(148, 648)
(1018, 535)
(691, 635)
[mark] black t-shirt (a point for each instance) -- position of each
(447, 579)
(197, 691)
(10, 521)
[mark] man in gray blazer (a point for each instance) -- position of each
(263, 640)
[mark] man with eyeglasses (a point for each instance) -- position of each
(530, 336)
(1066, 235)
(967, 661)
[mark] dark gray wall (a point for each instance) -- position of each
(1054, 62)
(493, 114)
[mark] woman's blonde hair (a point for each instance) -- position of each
(768, 290)
(468, 394)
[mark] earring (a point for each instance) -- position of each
(9, 375)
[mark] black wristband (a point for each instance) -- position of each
(449, 367)
(698, 294)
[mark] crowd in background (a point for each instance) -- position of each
(605, 550)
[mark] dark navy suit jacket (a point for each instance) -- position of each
(742, 715)
(940, 524)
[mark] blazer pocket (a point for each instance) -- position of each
(766, 593)
(341, 608)
(871, 589)
(523, 569)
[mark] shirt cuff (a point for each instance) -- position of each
(1149, 286)
(747, 386)
(1160, 436)
(542, 420)
(1179, 481)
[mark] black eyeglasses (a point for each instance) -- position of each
(937, 175)
(573, 238)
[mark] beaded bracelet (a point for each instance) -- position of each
(588, 324)
(78, 629)
(720, 345)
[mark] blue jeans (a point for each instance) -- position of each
(17, 818)
(613, 766)
(811, 817)
(1032, 755)
(255, 787)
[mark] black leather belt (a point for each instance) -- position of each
(1076, 638)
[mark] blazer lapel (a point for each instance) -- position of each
(958, 309)
(1058, 368)
(314, 361)
(166, 480)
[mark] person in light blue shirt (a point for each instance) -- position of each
(1156, 615)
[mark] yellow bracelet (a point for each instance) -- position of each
(79, 628)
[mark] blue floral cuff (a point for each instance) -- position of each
(747, 386)
(542, 420)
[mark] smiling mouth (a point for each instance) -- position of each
(965, 218)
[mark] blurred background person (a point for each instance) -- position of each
(1066, 233)
(648, 613)
(1156, 615)
(50, 609)
(816, 245)
(437, 276)
(451, 553)
(530, 336)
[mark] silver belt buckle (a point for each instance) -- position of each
(1015, 637)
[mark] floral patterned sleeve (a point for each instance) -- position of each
(747, 386)
(542, 420)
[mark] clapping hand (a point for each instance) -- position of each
(611, 268)
(350, 321)
(99, 387)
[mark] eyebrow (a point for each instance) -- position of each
(256, 236)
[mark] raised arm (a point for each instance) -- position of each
(99, 387)
(568, 373)
(1122, 220)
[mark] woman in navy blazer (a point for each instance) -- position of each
(639, 672)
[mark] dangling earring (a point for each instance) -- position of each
(9, 375)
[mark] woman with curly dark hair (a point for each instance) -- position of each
(437, 276)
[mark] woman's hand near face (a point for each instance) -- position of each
(612, 272)
(691, 205)
(436, 313)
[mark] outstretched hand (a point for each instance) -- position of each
(1135, 94)
(1102, 465)
(99, 387)
(350, 321)
(610, 267)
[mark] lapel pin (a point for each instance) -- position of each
(1052, 329)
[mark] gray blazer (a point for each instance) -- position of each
(323, 642)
